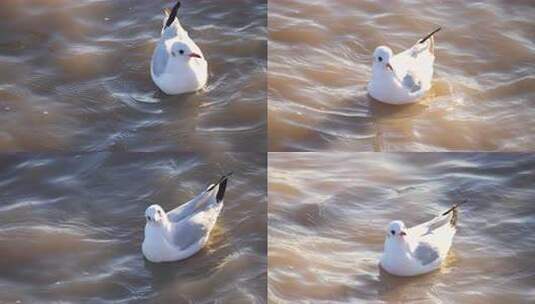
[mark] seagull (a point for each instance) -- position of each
(419, 249)
(178, 65)
(183, 231)
(405, 77)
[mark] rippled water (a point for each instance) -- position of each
(75, 76)
(319, 65)
(328, 214)
(71, 228)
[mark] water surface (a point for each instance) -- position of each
(71, 228)
(75, 76)
(328, 215)
(320, 62)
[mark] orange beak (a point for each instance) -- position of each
(194, 55)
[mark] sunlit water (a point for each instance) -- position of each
(328, 214)
(75, 75)
(320, 63)
(71, 229)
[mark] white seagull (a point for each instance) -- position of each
(405, 77)
(183, 231)
(419, 249)
(178, 65)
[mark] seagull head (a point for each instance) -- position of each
(396, 230)
(182, 52)
(155, 214)
(381, 58)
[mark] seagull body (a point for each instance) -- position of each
(178, 65)
(419, 249)
(183, 231)
(405, 77)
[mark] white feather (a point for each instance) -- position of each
(176, 73)
(421, 250)
(183, 231)
(410, 77)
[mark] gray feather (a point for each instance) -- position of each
(425, 253)
(159, 61)
(201, 202)
(410, 83)
(188, 233)
(197, 204)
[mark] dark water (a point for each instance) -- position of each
(482, 96)
(74, 76)
(71, 228)
(328, 214)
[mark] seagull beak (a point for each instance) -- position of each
(194, 55)
(388, 66)
(403, 233)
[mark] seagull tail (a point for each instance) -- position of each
(454, 213)
(222, 183)
(171, 14)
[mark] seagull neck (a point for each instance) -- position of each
(379, 72)
(165, 224)
(397, 244)
(162, 225)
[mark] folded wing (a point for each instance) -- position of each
(159, 59)
(189, 232)
(414, 67)
(433, 238)
(212, 196)
(429, 226)
(447, 218)
(426, 253)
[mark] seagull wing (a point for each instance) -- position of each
(433, 238)
(446, 219)
(160, 59)
(411, 82)
(429, 226)
(414, 67)
(188, 232)
(195, 229)
(426, 253)
(213, 195)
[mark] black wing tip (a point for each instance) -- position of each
(172, 15)
(222, 183)
(455, 214)
(222, 186)
(430, 34)
(455, 206)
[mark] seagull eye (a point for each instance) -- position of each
(148, 217)
(393, 232)
(181, 52)
(380, 58)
